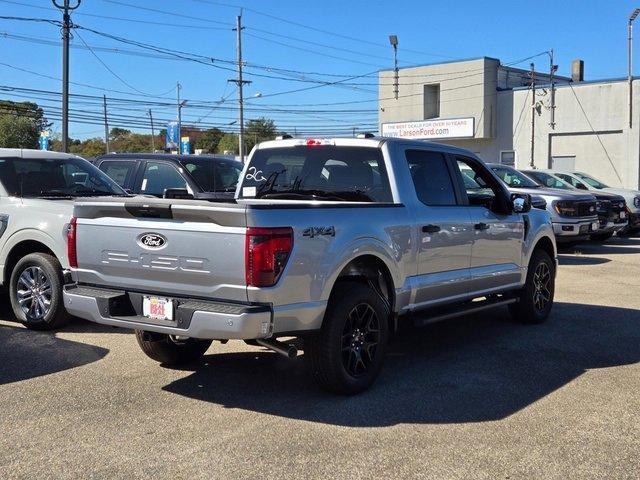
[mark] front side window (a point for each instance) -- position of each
(591, 181)
(482, 188)
(55, 177)
(573, 181)
(431, 177)
(514, 178)
(549, 180)
(317, 172)
(159, 176)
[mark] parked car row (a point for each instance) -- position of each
(578, 213)
(333, 241)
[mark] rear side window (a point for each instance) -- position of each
(325, 172)
(431, 177)
(120, 171)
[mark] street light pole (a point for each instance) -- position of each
(66, 27)
(632, 17)
(393, 40)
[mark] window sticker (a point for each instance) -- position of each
(248, 191)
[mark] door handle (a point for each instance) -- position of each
(481, 226)
(430, 228)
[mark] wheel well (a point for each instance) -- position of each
(546, 245)
(19, 251)
(372, 271)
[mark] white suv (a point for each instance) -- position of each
(37, 189)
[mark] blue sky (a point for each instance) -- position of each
(302, 44)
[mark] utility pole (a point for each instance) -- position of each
(153, 133)
(66, 27)
(106, 123)
(240, 83)
(178, 87)
(552, 106)
(533, 114)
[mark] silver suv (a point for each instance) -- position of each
(333, 241)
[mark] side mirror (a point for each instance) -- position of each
(520, 202)
(582, 186)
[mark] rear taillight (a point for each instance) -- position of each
(266, 253)
(71, 243)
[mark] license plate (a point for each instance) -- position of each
(623, 215)
(157, 308)
(594, 226)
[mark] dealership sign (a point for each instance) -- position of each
(430, 129)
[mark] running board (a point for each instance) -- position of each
(427, 317)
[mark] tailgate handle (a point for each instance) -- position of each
(145, 210)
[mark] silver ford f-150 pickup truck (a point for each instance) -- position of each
(332, 241)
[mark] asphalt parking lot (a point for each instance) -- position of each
(470, 398)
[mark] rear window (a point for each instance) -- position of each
(319, 172)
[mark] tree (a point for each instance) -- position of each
(91, 147)
(116, 134)
(28, 110)
(209, 140)
(18, 132)
(258, 130)
(228, 143)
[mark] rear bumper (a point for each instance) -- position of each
(193, 318)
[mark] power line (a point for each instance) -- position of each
(121, 19)
(122, 80)
(309, 27)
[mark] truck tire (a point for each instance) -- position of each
(347, 354)
(536, 298)
(164, 349)
(35, 290)
(601, 237)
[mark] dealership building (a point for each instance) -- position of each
(487, 107)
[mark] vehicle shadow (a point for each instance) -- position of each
(565, 259)
(26, 354)
(604, 249)
(466, 370)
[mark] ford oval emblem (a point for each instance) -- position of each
(152, 240)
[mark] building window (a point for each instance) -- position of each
(431, 101)
(508, 157)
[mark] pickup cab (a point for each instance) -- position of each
(332, 241)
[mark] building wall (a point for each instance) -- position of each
(467, 89)
(599, 137)
(591, 118)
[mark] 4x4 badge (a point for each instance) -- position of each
(318, 231)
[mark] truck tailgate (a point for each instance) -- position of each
(135, 244)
